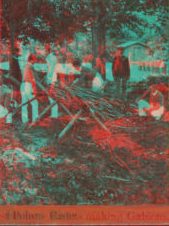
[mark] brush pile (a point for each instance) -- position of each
(76, 97)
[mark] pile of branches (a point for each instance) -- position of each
(126, 164)
(78, 97)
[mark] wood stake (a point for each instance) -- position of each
(100, 123)
(21, 105)
(144, 94)
(44, 89)
(44, 112)
(70, 124)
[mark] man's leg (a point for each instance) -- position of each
(54, 110)
(25, 93)
(34, 104)
(143, 107)
(24, 108)
(124, 87)
(158, 112)
(117, 83)
(9, 118)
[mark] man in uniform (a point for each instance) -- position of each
(121, 71)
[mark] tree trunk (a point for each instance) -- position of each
(98, 42)
(15, 71)
(102, 50)
(99, 49)
(12, 42)
(94, 34)
(94, 46)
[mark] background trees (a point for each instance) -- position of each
(27, 18)
(51, 20)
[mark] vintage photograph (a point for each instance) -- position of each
(84, 109)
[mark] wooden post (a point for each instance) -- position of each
(144, 94)
(98, 121)
(44, 112)
(13, 79)
(21, 105)
(43, 88)
(70, 124)
(65, 108)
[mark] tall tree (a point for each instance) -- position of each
(50, 19)
(10, 11)
(103, 16)
(29, 18)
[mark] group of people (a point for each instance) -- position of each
(68, 74)
(71, 73)
(151, 103)
(74, 73)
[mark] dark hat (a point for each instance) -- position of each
(77, 62)
(32, 57)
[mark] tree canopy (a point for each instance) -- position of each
(51, 20)
(47, 19)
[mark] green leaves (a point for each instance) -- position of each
(56, 16)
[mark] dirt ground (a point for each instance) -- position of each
(88, 165)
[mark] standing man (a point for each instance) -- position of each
(59, 73)
(64, 74)
(121, 71)
(51, 62)
(28, 89)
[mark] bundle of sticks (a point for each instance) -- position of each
(98, 102)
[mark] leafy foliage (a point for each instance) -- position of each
(55, 17)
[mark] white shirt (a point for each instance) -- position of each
(51, 61)
(97, 84)
(68, 69)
